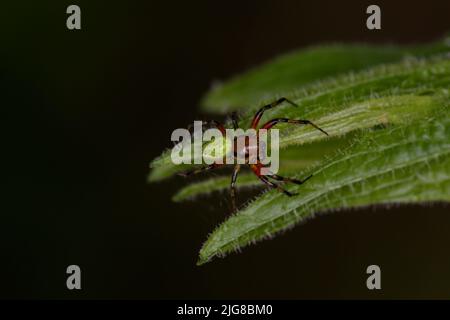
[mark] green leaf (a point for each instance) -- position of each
(389, 136)
(291, 71)
(385, 94)
(294, 159)
(394, 165)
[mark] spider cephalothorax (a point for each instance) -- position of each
(246, 150)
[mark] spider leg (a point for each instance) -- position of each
(296, 181)
(256, 170)
(233, 187)
(201, 169)
(211, 123)
(259, 114)
(234, 118)
(265, 180)
(273, 122)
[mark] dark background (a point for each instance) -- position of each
(83, 113)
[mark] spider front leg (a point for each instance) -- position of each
(274, 104)
(233, 188)
(211, 123)
(268, 125)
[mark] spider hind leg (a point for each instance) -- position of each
(233, 188)
(292, 180)
(265, 180)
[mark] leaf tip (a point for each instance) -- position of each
(202, 260)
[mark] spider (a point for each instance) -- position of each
(256, 168)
